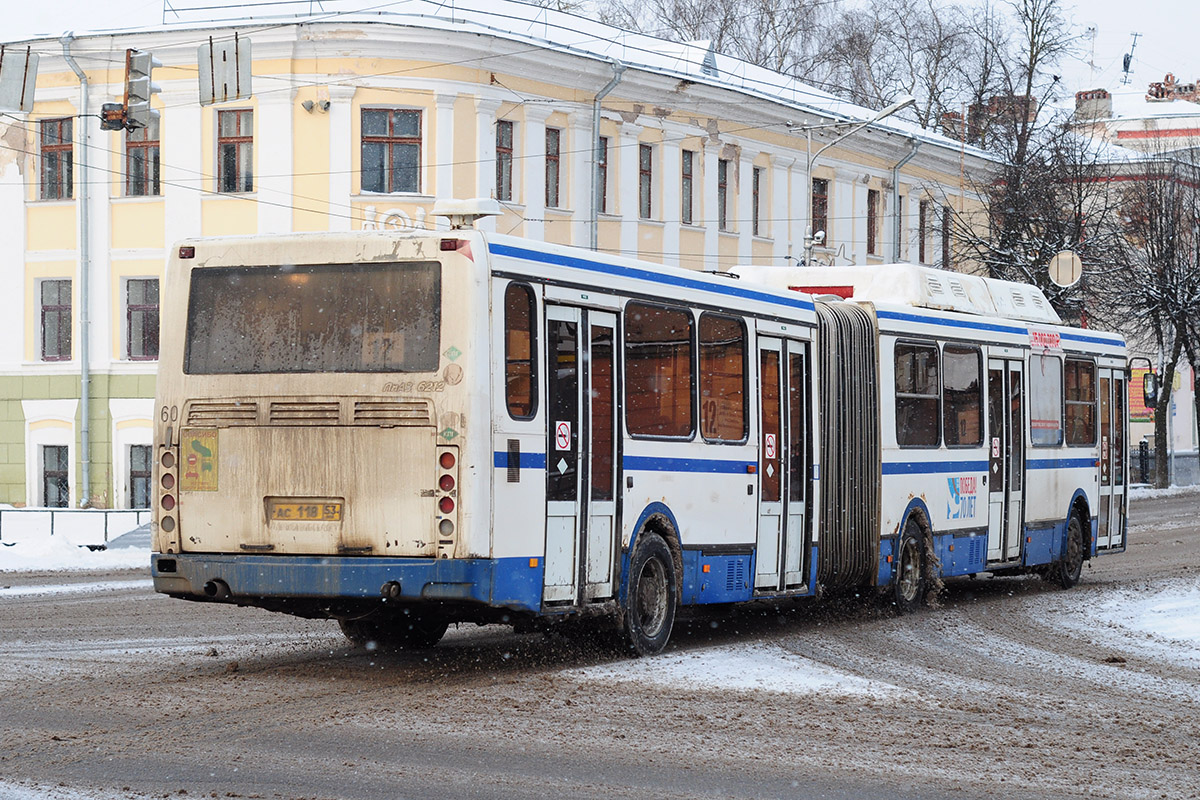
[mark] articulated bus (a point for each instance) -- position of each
(404, 430)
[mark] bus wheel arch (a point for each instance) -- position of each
(915, 563)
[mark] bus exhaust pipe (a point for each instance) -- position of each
(217, 589)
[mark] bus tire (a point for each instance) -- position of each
(908, 586)
(650, 599)
(1071, 565)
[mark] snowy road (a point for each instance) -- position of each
(1012, 689)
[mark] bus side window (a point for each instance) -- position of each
(722, 379)
(658, 371)
(1081, 402)
(520, 377)
(917, 400)
(1045, 400)
(962, 396)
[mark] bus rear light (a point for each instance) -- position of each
(446, 483)
(445, 527)
(447, 460)
(168, 459)
(168, 481)
(449, 244)
(167, 524)
(168, 502)
(446, 505)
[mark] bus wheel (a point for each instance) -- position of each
(1071, 565)
(908, 586)
(359, 631)
(650, 602)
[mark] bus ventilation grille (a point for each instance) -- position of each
(392, 412)
(305, 413)
(227, 414)
(735, 575)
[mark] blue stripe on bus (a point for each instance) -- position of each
(1061, 463)
(644, 274)
(951, 323)
(1114, 341)
(528, 460)
(655, 464)
(932, 467)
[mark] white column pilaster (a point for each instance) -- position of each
(342, 182)
(443, 152)
(274, 168)
(12, 250)
(577, 175)
(485, 154)
(708, 212)
(627, 187)
(533, 170)
(745, 204)
(672, 190)
(182, 165)
(780, 224)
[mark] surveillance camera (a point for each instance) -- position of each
(819, 237)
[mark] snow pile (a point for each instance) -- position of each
(738, 667)
(1150, 493)
(1170, 614)
(55, 553)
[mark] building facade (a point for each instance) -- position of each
(362, 123)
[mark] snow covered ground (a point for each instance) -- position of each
(56, 554)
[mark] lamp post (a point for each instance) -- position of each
(811, 236)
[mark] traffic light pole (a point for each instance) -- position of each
(85, 267)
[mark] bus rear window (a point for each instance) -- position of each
(382, 317)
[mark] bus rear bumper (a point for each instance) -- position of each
(514, 583)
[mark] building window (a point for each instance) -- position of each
(520, 378)
(820, 208)
(722, 194)
(553, 151)
(755, 195)
(962, 396)
(602, 177)
(56, 320)
(504, 156)
(391, 150)
(917, 418)
(141, 318)
(873, 222)
(645, 180)
(56, 486)
(235, 151)
(658, 371)
(141, 160)
(922, 230)
(57, 159)
(688, 167)
(945, 237)
(723, 379)
(1081, 402)
(139, 476)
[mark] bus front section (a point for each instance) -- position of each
(312, 430)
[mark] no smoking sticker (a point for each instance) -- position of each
(769, 445)
(562, 436)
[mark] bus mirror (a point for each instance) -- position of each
(1150, 389)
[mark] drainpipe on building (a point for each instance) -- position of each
(85, 267)
(618, 69)
(897, 221)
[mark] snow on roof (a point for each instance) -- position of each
(1131, 105)
(565, 32)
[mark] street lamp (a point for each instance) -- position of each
(810, 236)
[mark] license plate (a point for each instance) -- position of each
(316, 510)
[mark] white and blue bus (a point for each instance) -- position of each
(401, 431)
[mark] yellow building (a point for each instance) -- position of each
(361, 122)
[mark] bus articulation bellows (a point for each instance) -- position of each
(401, 431)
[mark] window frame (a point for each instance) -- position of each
(1062, 422)
(553, 167)
(756, 175)
(146, 475)
(506, 137)
(929, 344)
(978, 351)
(645, 181)
(602, 177)
(62, 475)
(819, 209)
(149, 183)
(534, 353)
(946, 212)
(1068, 403)
(692, 369)
(872, 222)
(389, 141)
(66, 309)
(922, 230)
(243, 157)
(687, 177)
(147, 308)
(745, 389)
(61, 184)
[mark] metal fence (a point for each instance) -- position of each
(79, 526)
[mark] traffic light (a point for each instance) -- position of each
(139, 89)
